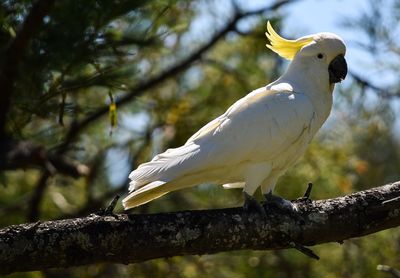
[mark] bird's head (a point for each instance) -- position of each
(322, 51)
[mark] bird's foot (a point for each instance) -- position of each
(280, 202)
(252, 205)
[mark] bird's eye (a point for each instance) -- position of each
(320, 56)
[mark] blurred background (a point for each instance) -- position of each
(105, 85)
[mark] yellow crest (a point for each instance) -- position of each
(283, 47)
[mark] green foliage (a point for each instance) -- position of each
(87, 49)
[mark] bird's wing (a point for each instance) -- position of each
(255, 128)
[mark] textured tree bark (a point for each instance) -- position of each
(136, 238)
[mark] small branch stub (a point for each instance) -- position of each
(109, 211)
(308, 191)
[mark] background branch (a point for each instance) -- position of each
(14, 53)
(137, 238)
(26, 154)
(37, 196)
(382, 92)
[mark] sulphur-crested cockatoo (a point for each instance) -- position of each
(261, 135)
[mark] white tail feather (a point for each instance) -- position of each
(144, 195)
(156, 189)
(165, 166)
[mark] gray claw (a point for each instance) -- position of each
(252, 205)
(280, 202)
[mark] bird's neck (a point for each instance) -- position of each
(304, 79)
(308, 79)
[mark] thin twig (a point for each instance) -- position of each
(306, 251)
(382, 92)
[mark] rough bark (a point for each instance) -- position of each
(136, 238)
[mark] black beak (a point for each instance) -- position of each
(337, 69)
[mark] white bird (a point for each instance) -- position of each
(261, 135)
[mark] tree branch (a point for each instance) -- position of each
(26, 154)
(137, 238)
(382, 92)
